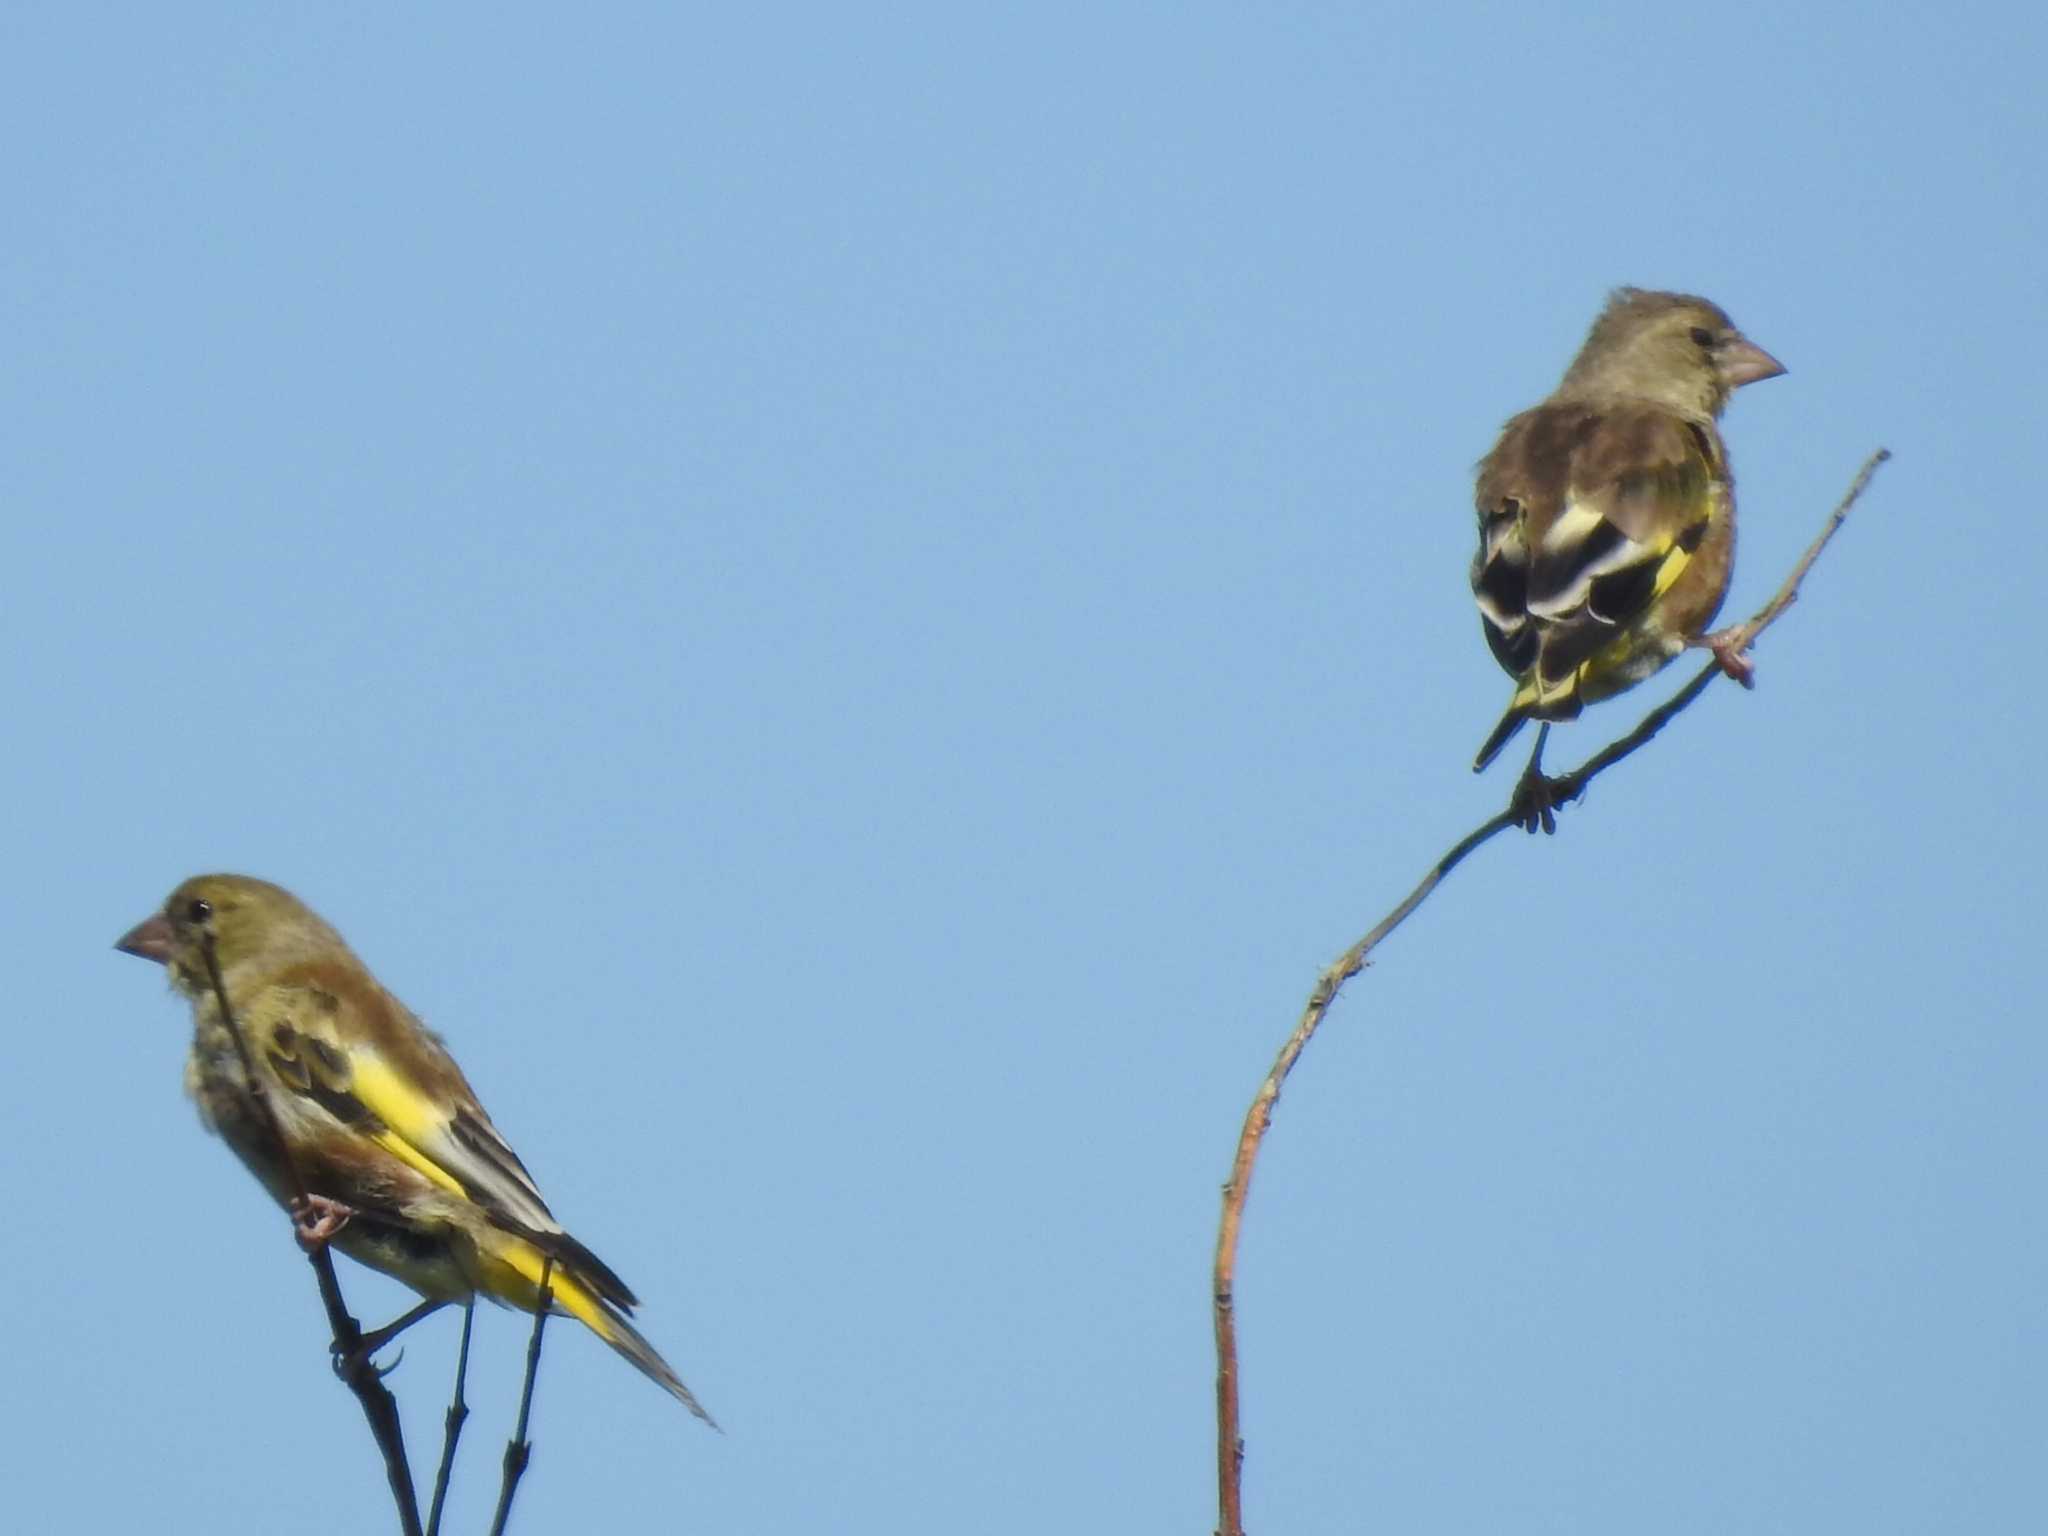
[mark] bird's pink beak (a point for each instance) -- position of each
(1744, 362)
(149, 939)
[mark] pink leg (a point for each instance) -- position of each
(316, 1220)
(1728, 648)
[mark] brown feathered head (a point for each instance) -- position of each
(1676, 350)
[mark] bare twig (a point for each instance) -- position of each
(518, 1450)
(458, 1411)
(351, 1361)
(1229, 1443)
(1229, 1439)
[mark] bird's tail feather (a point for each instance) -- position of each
(1503, 733)
(574, 1296)
(1560, 700)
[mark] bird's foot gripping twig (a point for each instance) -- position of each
(1730, 647)
(1537, 797)
(317, 1220)
(349, 1358)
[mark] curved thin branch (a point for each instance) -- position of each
(1257, 1120)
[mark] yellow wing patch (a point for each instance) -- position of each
(1670, 570)
(409, 1117)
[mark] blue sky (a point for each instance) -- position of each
(853, 604)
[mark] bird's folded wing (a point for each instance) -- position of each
(376, 1069)
(1640, 495)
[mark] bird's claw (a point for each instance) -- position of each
(348, 1360)
(1537, 800)
(316, 1220)
(1730, 648)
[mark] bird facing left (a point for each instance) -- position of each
(403, 1169)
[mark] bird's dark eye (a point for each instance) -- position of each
(198, 909)
(1702, 337)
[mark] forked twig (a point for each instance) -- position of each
(1229, 1439)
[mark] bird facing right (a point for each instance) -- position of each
(1607, 513)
